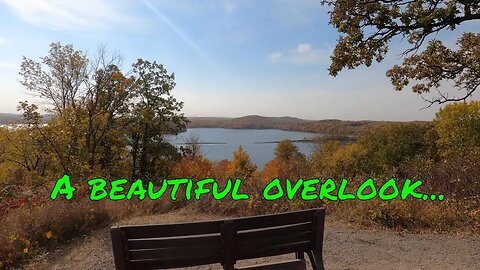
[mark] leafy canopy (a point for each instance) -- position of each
(458, 129)
(367, 27)
(106, 121)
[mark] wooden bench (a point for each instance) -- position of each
(222, 241)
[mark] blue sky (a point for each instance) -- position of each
(231, 58)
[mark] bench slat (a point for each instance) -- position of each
(250, 223)
(166, 263)
(205, 241)
(275, 250)
(275, 231)
(282, 239)
(166, 230)
(175, 253)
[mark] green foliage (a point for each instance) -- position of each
(392, 145)
(24, 157)
(286, 150)
(383, 151)
(438, 64)
(155, 113)
(337, 161)
(59, 78)
(105, 123)
(367, 27)
(107, 106)
(458, 129)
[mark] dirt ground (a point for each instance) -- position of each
(345, 247)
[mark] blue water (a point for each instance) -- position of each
(227, 141)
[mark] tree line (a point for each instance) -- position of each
(105, 121)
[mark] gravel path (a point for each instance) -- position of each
(344, 248)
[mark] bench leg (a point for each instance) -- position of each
(299, 255)
(317, 263)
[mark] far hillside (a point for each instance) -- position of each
(327, 126)
(11, 118)
(8, 118)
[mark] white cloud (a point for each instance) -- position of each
(230, 7)
(275, 57)
(303, 54)
(7, 65)
(59, 14)
(304, 48)
(2, 41)
(297, 12)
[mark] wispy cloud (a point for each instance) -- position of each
(59, 14)
(230, 7)
(187, 39)
(303, 54)
(2, 41)
(7, 65)
(189, 6)
(296, 12)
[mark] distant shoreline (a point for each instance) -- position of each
(203, 143)
(342, 130)
(295, 141)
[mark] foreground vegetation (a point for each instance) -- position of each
(443, 154)
(110, 125)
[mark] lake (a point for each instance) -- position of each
(220, 143)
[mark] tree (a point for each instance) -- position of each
(155, 113)
(194, 167)
(241, 166)
(23, 154)
(367, 27)
(103, 119)
(192, 148)
(220, 170)
(458, 129)
(59, 78)
(288, 162)
(286, 150)
(384, 151)
(87, 98)
(320, 157)
(331, 159)
(107, 105)
(391, 145)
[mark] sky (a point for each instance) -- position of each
(231, 58)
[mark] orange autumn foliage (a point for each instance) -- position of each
(194, 168)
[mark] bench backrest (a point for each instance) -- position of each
(222, 241)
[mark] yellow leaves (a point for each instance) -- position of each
(49, 234)
(23, 245)
(458, 128)
(241, 166)
(286, 150)
(13, 238)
